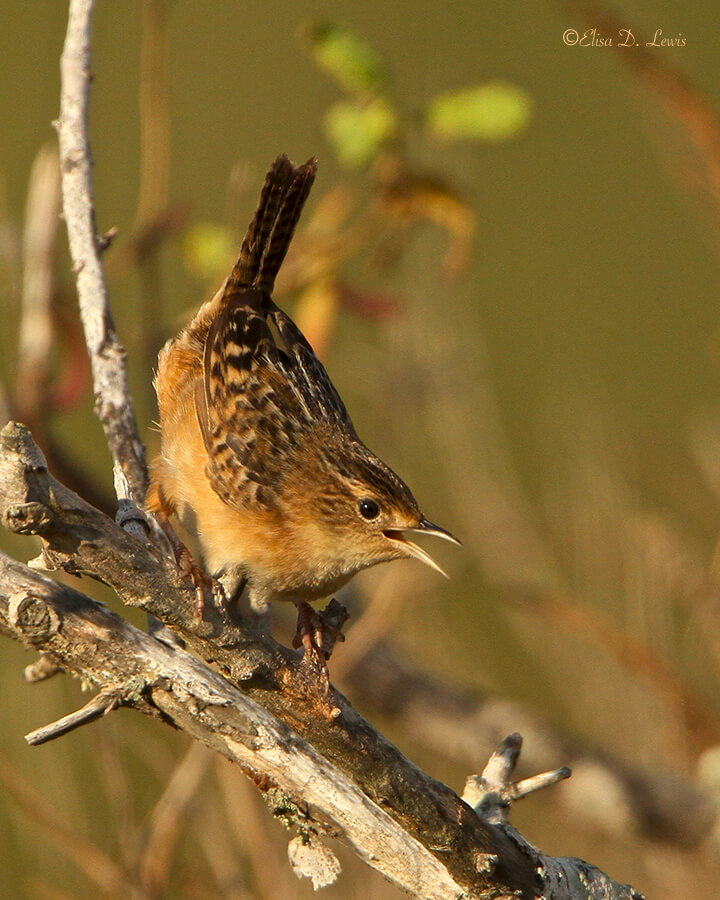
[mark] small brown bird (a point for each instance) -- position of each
(259, 458)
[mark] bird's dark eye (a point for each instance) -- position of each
(368, 508)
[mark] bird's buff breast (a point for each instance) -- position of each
(282, 559)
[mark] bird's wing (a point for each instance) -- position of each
(262, 398)
(263, 391)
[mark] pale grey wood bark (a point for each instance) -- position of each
(133, 669)
(113, 403)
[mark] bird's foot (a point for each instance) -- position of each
(190, 569)
(317, 632)
(200, 579)
(161, 510)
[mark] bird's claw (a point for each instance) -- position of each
(201, 581)
(313, 629)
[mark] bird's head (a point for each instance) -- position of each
(362, 511)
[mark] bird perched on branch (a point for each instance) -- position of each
(259, 458)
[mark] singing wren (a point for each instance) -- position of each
(259, 458)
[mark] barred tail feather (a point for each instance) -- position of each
(268, 237)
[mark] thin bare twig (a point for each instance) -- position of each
(38, 391)
(494, 790)
(113, 403)
(100, 705)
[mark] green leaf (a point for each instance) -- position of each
(348, 59)
(358, 131)
(207, 248)
(495, 111)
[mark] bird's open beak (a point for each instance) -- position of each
(411, 549)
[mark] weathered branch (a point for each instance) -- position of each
(480, 859)
(133, 669)
(84, 541)
(464, 726)
(492, 793)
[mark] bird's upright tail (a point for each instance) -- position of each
(268, 237)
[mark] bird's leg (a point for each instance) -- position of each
(312, 628)
(197, 575)
(310, 635)
(183, 557)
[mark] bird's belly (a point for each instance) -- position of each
(302, 588)
(281, 558)
(279, 562)
(272, 558)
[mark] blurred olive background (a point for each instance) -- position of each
(523, 322)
